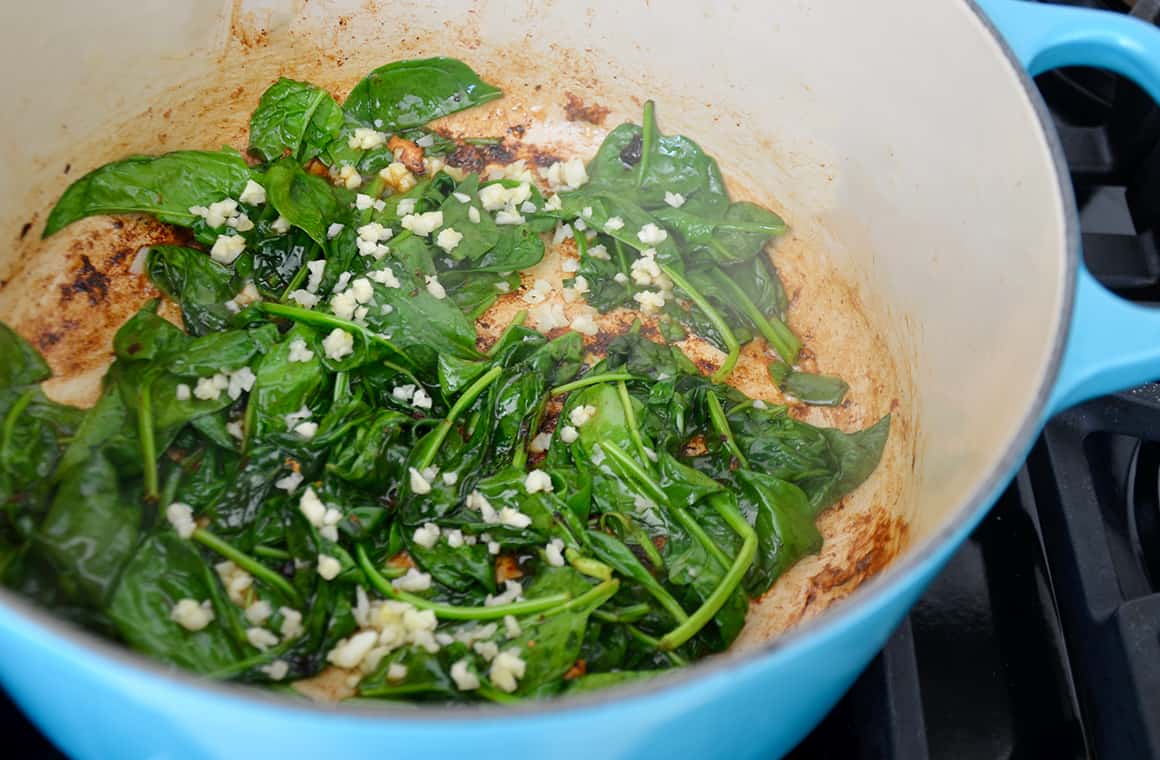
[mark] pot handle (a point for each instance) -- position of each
(1113, 344)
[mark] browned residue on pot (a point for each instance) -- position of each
(576, 110)
(69, 294)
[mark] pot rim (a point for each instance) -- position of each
(864, 601)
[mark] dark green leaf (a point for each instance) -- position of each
(90, 531)
(164, 186)
(165, 570)
(308, 202)
(191, 278)
(823, 390)
(411, 93)
(784, 520)
(294, 118)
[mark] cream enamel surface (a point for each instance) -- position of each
(924, 212)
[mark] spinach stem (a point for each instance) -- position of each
(375, 190)
(648, 139)
(655, 643)
(581, 239)
(629, 614)
(465, 400)
(729, 583)
(654, 491)
(241, 666)
(341, 385)
(721, 425)
(145, 433)
(300, 275)
(247, 563)
(641, 537)
(630, 420)
(775, 332)
(387, 692)
(452, 612)
(595, 596)
(498, 696)
(719, 324)
(520, 317)
(13, 415)
(757, 227)
(318, 319)
(739, 407)
(651, 642)
(593, 568)
(618, 248)
(602, 377)
(272, 553)
(520, 458)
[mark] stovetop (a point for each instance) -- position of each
(1041, 638)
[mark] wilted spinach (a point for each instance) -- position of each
(321, 466)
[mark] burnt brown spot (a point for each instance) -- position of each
(466, 157)
(89, 281)
(517, 130)
(576, 110)
(543, 157)
(705, 365)
(48, 339)
(497, 153)
(67, 168)
(24, 230)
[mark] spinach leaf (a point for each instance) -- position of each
(165, 570)
(284, 387)
(308, 202)
(822, 390)
(598, 681)
(91, 529)
(34, 432)
(421, 324)
(411, 93)
(197, 282)
(146, 336)
(277, 259)
(296, 119)
(164, 186)
(825, 463)
(515, 248)
(20, 364)
(784, 519)
(672, 163)
(856, 455)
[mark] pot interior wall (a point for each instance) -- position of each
(926, 250)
